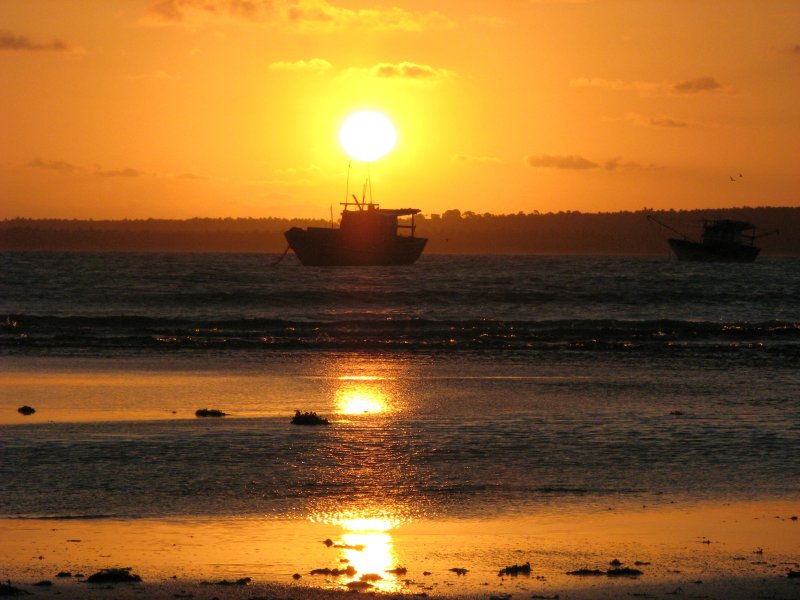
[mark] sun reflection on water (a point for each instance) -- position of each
(356, 396)
(366, 544)
(371, 553)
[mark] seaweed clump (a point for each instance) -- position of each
(6, 589)
(586, 572)
(623, 572)
(115, 575)
(225, 582)
(209, 412)
(349, 571)
(515, 570)
(308, 418)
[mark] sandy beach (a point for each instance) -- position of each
(742, 550)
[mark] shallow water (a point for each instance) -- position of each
(461, 386)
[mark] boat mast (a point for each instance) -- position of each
(347, 187)
(369, 182)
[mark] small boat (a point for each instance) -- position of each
(722, 240)
(368, 235)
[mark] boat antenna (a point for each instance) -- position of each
(347, 189)
(369, 182)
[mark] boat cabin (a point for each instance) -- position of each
(370, 222)
(727, 231)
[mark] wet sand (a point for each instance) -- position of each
(740, 550)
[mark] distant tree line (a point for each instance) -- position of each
(453, 232)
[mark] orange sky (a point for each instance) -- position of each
(183, 108)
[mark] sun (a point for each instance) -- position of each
(367, 135)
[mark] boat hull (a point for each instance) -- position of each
(320, 247)
(693, 251)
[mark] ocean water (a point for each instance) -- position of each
(459, 386)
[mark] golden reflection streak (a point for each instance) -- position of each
(376, 555)
(356, 398)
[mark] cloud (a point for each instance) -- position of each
(20, 43)
(191, 177)
(408, 70)
(181, 10)
(318, 15)
(574, 162)
(650, 88)
(660, 121)
(666, 122)
(468, 158)
(547, 161)
(120, 173)
(315, 65)
(53, 165)
(693, 86)
(322, 15)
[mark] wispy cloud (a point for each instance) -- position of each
(469, 158)
(667, 122)
(181, 10)
(319, 15)
(694, 86)
(400, 71)
(659, 121)
(191, 177)
(409, 70)
(53, 165)
(322, 15)
(120, 173)
(578, 163)
(572, 161)
(19, 43)
(651, 88)
(315, 65)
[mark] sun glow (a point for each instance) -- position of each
(357, 399)
(367, 135)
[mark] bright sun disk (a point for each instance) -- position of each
(367, 135)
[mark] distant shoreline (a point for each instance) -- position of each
(563, 233)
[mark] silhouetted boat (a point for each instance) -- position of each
(722, 240)
(367, 235)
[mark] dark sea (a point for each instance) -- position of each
(459, 386)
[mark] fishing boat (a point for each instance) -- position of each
(368, 235)
(722, 240)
